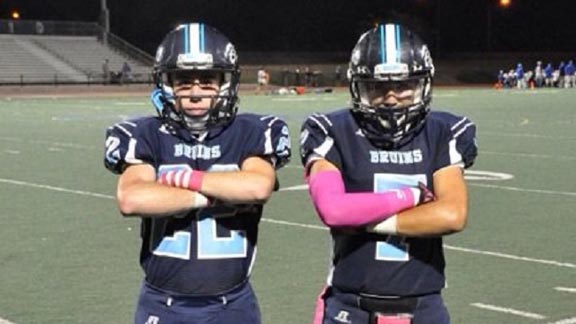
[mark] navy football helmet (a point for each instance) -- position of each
(200, 48)
(386, 58)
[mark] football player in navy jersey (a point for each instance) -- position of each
(386, 176)
(197, 175)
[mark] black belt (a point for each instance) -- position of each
(388, 305)
(391, 305)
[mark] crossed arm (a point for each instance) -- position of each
(444, 215)
(140, 194)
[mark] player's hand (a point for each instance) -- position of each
(426, 195)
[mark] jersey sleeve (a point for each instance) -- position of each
(464, 133)
(316, 141)
(458, 144)
(272, 141)
(126, 145)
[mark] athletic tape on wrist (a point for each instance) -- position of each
(388, 226)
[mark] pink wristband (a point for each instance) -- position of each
(196, 178)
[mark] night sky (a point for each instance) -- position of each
(329, 25)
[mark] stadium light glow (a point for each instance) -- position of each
(15, 15)
(505, 3)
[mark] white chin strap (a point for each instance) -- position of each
(196, 123)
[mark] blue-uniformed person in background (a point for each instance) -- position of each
(387, 177)
(520, 77)
(197, 175)
(549, 75)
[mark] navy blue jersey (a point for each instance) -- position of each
(387, 265)
(207, 251)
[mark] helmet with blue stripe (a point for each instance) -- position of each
(390, 58)
(196, 48)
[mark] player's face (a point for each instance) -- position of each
(393, 94)
(195, 91)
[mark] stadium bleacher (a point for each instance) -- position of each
(60, 59)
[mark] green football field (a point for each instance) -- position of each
(67, 256)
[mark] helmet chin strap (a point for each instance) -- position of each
(196, 125)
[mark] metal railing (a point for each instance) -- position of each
(124, 47)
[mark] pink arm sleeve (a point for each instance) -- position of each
(337, 208)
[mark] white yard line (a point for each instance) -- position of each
(566, 289)
(512, 257)
(3, 321)
(571, 320)
(49, 143)
(526, 135)
(530, 155)
(47, 187)
(537, 191)
(508, 311)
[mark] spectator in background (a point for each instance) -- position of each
(106, 75)
(315, 79)
(519, 73)
(297, 77)
(307, 76)
(549, 75)
(501, 79)
(125, 73)
(569, 71)
(560, 75)
(529, 79)
(337, 75)
(538, 75)
(285, 76)
(510, 78)
(262, 78)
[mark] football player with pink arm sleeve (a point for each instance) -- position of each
(387, 177)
